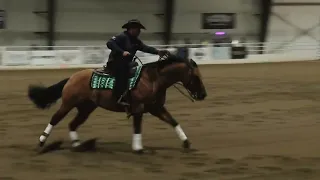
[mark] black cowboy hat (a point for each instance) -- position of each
(133, 23)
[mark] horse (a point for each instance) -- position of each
(88, 89)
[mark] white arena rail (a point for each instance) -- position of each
(65, 57)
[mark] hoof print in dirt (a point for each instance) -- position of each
(145, 151)
(139, 151)
(51, 147)
(189, 150)
(89, 145)
(186, 151)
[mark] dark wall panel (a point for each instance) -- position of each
(168, 20)
(51, 7)
(265, 7)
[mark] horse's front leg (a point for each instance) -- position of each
(162, 113)
(137, 130)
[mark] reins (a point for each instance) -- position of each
(188, 96)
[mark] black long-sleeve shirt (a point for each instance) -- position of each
(125, 42)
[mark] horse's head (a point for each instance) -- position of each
(193, 81)
(176, 69)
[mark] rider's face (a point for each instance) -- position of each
(134, 31)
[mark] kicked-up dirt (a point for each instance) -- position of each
(260, 121)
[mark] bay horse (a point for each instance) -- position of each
(148, 94)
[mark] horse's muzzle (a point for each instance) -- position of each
(199, 96)
(202, 96)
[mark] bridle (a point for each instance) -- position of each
(189, 96)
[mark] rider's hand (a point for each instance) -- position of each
(163, 52)
(126, 53)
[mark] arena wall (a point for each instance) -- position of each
(20, 58)
(84, 22)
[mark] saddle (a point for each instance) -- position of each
(134, 73)
(106, 71)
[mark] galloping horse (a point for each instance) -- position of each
(88, 89)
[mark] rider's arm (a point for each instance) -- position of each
(147, 49)
(114, 42)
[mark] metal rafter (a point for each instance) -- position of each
(301, 31)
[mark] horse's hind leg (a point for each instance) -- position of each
(84, 110)
(56, 118)
(164, 115)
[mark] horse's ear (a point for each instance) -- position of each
(193, 63)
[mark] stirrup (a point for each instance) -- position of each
(121, 102)
(126, 105)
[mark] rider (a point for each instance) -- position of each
(123, 49)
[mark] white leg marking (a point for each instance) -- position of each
(180, 133)
(46, 131)
(137, 142)
(74, 138)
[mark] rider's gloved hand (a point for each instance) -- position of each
(163, 52)
(126, 53)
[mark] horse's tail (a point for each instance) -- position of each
(44, 97)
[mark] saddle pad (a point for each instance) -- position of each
(106, 81)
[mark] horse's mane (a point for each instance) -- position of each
(172, 59)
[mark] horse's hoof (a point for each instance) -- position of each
(141, 151)
(41, 144)
(186, 144)
(38, 149)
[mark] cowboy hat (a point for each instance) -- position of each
(133, 23)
